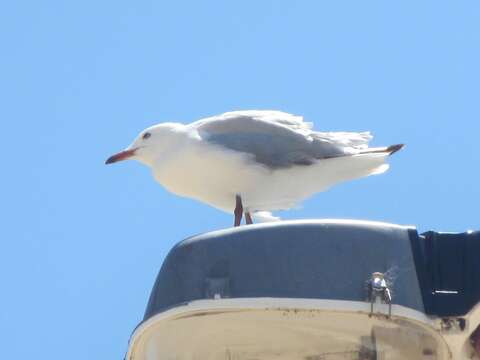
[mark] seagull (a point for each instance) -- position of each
(253, 162)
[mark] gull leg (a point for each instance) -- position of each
(248, 218)
(238, 212)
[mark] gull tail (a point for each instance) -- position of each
(392, 149)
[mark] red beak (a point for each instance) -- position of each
(122, 155)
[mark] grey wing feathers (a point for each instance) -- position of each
(357, 140)
(277, 139)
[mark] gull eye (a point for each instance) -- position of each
(146, 136)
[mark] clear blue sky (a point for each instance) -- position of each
(81, 242)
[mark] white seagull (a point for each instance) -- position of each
(253, 162)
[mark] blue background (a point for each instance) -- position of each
(81, 243)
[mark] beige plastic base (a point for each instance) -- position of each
(292, 329)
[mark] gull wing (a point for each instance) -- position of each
(277, 139)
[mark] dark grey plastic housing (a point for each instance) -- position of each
(435, 273)
(315, 259)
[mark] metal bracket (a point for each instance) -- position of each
(378, 288)
(453, 324)
(217, 287)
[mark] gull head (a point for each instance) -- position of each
(149, 144)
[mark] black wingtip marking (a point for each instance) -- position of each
(392, 149)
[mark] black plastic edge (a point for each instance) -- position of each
(417, 244)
